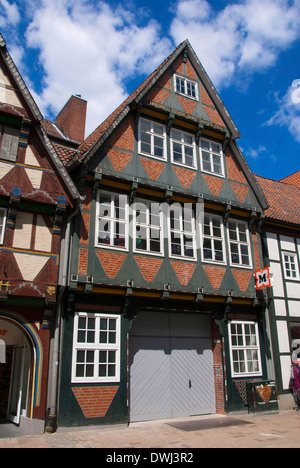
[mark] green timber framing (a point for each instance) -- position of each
(121, 280)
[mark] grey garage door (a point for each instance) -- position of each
(171, 366)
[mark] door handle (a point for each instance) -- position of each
(190, 383)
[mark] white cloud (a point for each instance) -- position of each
(9, 14)
(288, 113)
(90, 49)
(244, 37)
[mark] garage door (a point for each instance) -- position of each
(171, 366)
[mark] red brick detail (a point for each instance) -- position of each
(190, 71)
(214, 183)
(154, 169)
(111, 262)
(241, 191)
(214, 116)
(95, 401)
(215, 275)
(205, 97)
(148, 267)
(188, 105)
(83, 259)
(242, 278)
(234, 170)
(218, 369)
(165, 81)
(119, 160)
(123, 137)
(184, 272)
(185, 176)
(85, 227)
(257, 257)
(178, 65)
(158, 95)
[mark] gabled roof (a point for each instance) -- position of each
(96, 138)
(283, 198)
(38, 118)
(293, 179)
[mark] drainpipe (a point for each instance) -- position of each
(54, 364)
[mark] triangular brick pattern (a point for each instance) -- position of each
(158, 95)
(185, 176)
(119, 160)
(154, 169)
(214, 183)
(95, 401)
(215, 275)
(241, 191)
(111, 263)
(242, 278)
(234, 171)
(184, 272)
(188, 105)
(149, 267)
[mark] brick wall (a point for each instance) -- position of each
(95, 401)
(218, 369)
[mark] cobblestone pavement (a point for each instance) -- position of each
(277, 430)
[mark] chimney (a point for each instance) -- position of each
(72, 118)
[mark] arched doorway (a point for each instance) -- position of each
(16, 356)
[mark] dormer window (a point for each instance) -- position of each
(186, 87)
(9, 141)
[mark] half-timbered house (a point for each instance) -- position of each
(163, 318)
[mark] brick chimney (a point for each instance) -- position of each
(72, 118)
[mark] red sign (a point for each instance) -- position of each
(262, 278)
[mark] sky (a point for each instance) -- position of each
(103, 50)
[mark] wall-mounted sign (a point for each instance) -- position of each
(262, 278)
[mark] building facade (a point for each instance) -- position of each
(281, 238)
(163, 318)
(36, 196)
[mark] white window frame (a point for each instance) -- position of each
(185, 86)
(243, 348)
(239, 243)
(183, 144)
(213, 238)
(3, 215)
(151, 210)
(112, 220)
(153, 135)
(96, 347)
(211, 153)
(181, 232)
(292, 261)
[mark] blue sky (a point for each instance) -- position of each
(104, 49)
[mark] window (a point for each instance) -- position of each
(2, 224)
(211, 157)
(183, 148)
(9, 141)
(112, 214)
(182, 231)
(290, 263)
(244, 349)
(148, 227)
(152, 139)
(213, 239)
(96, 348)
(186, 87)
(239, 243)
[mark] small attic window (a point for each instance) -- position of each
(9, 141)
(186, 87)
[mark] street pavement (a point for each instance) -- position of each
(276, 430)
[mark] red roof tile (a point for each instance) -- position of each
(283, 198)
(293, 179)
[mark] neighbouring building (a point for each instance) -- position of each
(281, 239)
(162, 317)
(37, 197)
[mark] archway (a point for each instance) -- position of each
(20, 367)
